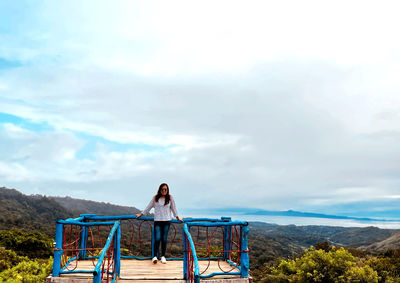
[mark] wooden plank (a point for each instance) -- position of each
(51, 279)
(234, 280)
(154, 281)
(145, 270)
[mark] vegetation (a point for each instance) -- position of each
(28, 271)
(30, 213)
(9, 259)
(24, 256)
(331, 264)
(30, 244)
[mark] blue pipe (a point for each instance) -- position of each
(76, 271)
(184, 253)
(73, 222)
(97, 272)
(74, 219)
(126, 217)
(244, 253)
(117, 251)
(219, 273)
(215, 224)
(233, 264)
(193, 248)
(116, 217)
(83, 242)
(58, 250)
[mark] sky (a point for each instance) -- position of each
(271, 105)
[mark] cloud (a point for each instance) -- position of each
(259, 105)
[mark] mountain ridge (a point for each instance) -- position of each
(89, 206)
(294, 213)
(37, 212)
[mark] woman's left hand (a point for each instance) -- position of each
(180, 219)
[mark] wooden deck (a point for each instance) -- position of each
(144, 270)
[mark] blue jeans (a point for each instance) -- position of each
(161, 229)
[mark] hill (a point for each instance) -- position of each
(39, 213)
(99, 208)
(30, 213)
(294, 213)
(358, 237)
(305, 236)
(390, 243)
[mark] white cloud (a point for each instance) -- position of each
(16, 132)
(14, 172)
(273, 105)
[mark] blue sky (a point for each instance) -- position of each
(268, 105)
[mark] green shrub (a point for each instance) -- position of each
(8, 259)
(387, 267)
(31, 244)
(28, 271)
(335, 265)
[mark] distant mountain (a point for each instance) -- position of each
(390, 243)
(357, 237)
(99, 208)
(294, 213)
(30, 212)
(286, 213)
(305, 236)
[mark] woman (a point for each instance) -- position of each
(163, 204)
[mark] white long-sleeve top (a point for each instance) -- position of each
(162, 212)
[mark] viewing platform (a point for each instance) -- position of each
(97, 249)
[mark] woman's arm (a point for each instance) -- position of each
(173, 209)
(147, 209)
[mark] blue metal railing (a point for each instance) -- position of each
(115, 235)
(112, 241)
(191, 269)
(190, 251)
(190, 257)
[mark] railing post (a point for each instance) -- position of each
(83, 244)
(84, 235)
(184, 253)
(153, 252)
(58, 250)
(97, 277)
(244, 253)
(118, 252)
(227, 245)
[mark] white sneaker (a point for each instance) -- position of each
(154, 260)
(163, 260)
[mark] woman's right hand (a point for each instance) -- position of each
(139, 214)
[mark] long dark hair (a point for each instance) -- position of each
(167, 196)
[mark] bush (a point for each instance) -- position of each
(8, 259)
(388, 268)
(336, 265)
(363, 274)
(28, 271)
